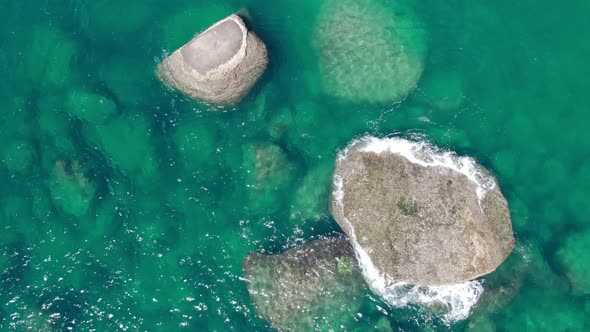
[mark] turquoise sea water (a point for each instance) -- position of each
(125, 206)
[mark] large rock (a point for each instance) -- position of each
(370, 50)
(419, 215)
(220, 65)
(316, 287)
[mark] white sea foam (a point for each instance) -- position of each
(424, 154)
(458, 298)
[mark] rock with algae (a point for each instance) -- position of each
(315, 287)
(420, 215)
(70, 189)
(370, 50)
(220, 65)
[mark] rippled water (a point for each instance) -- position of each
(135, 213)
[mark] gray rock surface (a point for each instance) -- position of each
(423, 216)
(315, 287)
(220, 65)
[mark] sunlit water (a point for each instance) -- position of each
(135, 213)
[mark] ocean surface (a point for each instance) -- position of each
(125, 206)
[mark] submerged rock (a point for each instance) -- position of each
(220, 65)
(54, 67)
(270, 164)
(269, 172)
(422, 216)
(70, 189)
(311, 199)
(577, 270)
(370, 50)
(197, 142)
(316, 287)
(441, 90)
(281, 123)
(89, 106)
(127, 143)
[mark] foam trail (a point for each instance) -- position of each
(424, 154)
(457, 298)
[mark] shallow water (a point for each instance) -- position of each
(136, 214)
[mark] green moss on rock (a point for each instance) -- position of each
(407, 206)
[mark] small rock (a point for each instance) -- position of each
(220, 65)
